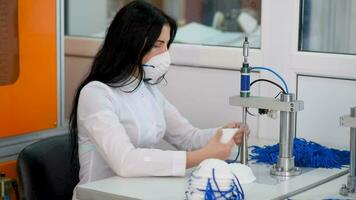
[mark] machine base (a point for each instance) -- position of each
(276, 171)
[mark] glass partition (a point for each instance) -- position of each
(328, 26)
(202, 22)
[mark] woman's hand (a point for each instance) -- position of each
(239, 133)
(215, 149)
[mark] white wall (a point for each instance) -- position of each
(75, 68)
(326, 99)
(200, 94)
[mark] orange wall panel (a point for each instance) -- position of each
(30, 104)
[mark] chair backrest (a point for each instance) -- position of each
(46, 171)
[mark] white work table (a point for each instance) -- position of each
(329, 190)
(173, 188)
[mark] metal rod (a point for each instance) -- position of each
(2, 185)
(349, 189)
(352, 176)
(245, 48)
(286, 136)
(285, 163)
(244, 145)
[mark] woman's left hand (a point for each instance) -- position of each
(239, 133)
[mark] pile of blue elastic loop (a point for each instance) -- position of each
(236, 192)
(306, 153)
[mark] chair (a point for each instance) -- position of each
(46, 171)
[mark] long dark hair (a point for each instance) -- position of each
(131, 35)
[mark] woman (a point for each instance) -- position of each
(119, 115)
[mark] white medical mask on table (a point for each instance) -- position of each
(156, 67)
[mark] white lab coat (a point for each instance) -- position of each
(117, 133)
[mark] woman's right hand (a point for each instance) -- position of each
(215, 149)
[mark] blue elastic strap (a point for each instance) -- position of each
(237, 156)
(306, 153)
(275, 73)
(234, 193)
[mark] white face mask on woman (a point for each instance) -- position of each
(156, 67)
